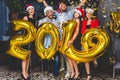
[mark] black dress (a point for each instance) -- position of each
(32, 20)
(87, 26)
(30, 46)
(77, 41)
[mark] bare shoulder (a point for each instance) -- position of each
(25, 18)
(77, 20)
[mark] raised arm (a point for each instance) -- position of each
(45, 3)
(82, 2)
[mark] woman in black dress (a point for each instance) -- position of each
(75, 39)
(25, 63)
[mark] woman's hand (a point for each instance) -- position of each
(83, 1)
(45, 3)
(59, 43)
(70, 42)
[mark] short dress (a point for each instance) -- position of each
(30, 46)
(77, 41)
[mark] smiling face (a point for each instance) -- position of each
(31, 11)
(63, 7)
(76, 15)
(89, 15)
(49, 14)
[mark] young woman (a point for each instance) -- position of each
(87, 24)
(75, 39)
(25, 63)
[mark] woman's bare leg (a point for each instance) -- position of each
(27, 64)
(71, 67)
(87, 67)
(75, 68)
(24, 68)
(95, 63)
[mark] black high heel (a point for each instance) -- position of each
(71, 78)
(95, 65)
(89, 75)
(23, 78)
(28, 78)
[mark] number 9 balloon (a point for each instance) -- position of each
(17, 41)
(90, 53)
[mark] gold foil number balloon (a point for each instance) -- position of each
(17, 41)
(47, 28)
(115, 26)
(67, 33)
(115, 16)
(115, 23)
(90, 53)
(90, 50)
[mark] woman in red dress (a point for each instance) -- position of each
(87, 24)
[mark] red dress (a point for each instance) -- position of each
(94, 24)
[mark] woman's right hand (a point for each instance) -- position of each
(70, 42)
(59, 43)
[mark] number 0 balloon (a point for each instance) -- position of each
(47, 28)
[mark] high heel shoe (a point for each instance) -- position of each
(89, 77)
(71, 79)
(78, 78)
(77, 75)
(95, 65)
(72, 75)
(28, 78)
(23, 78)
